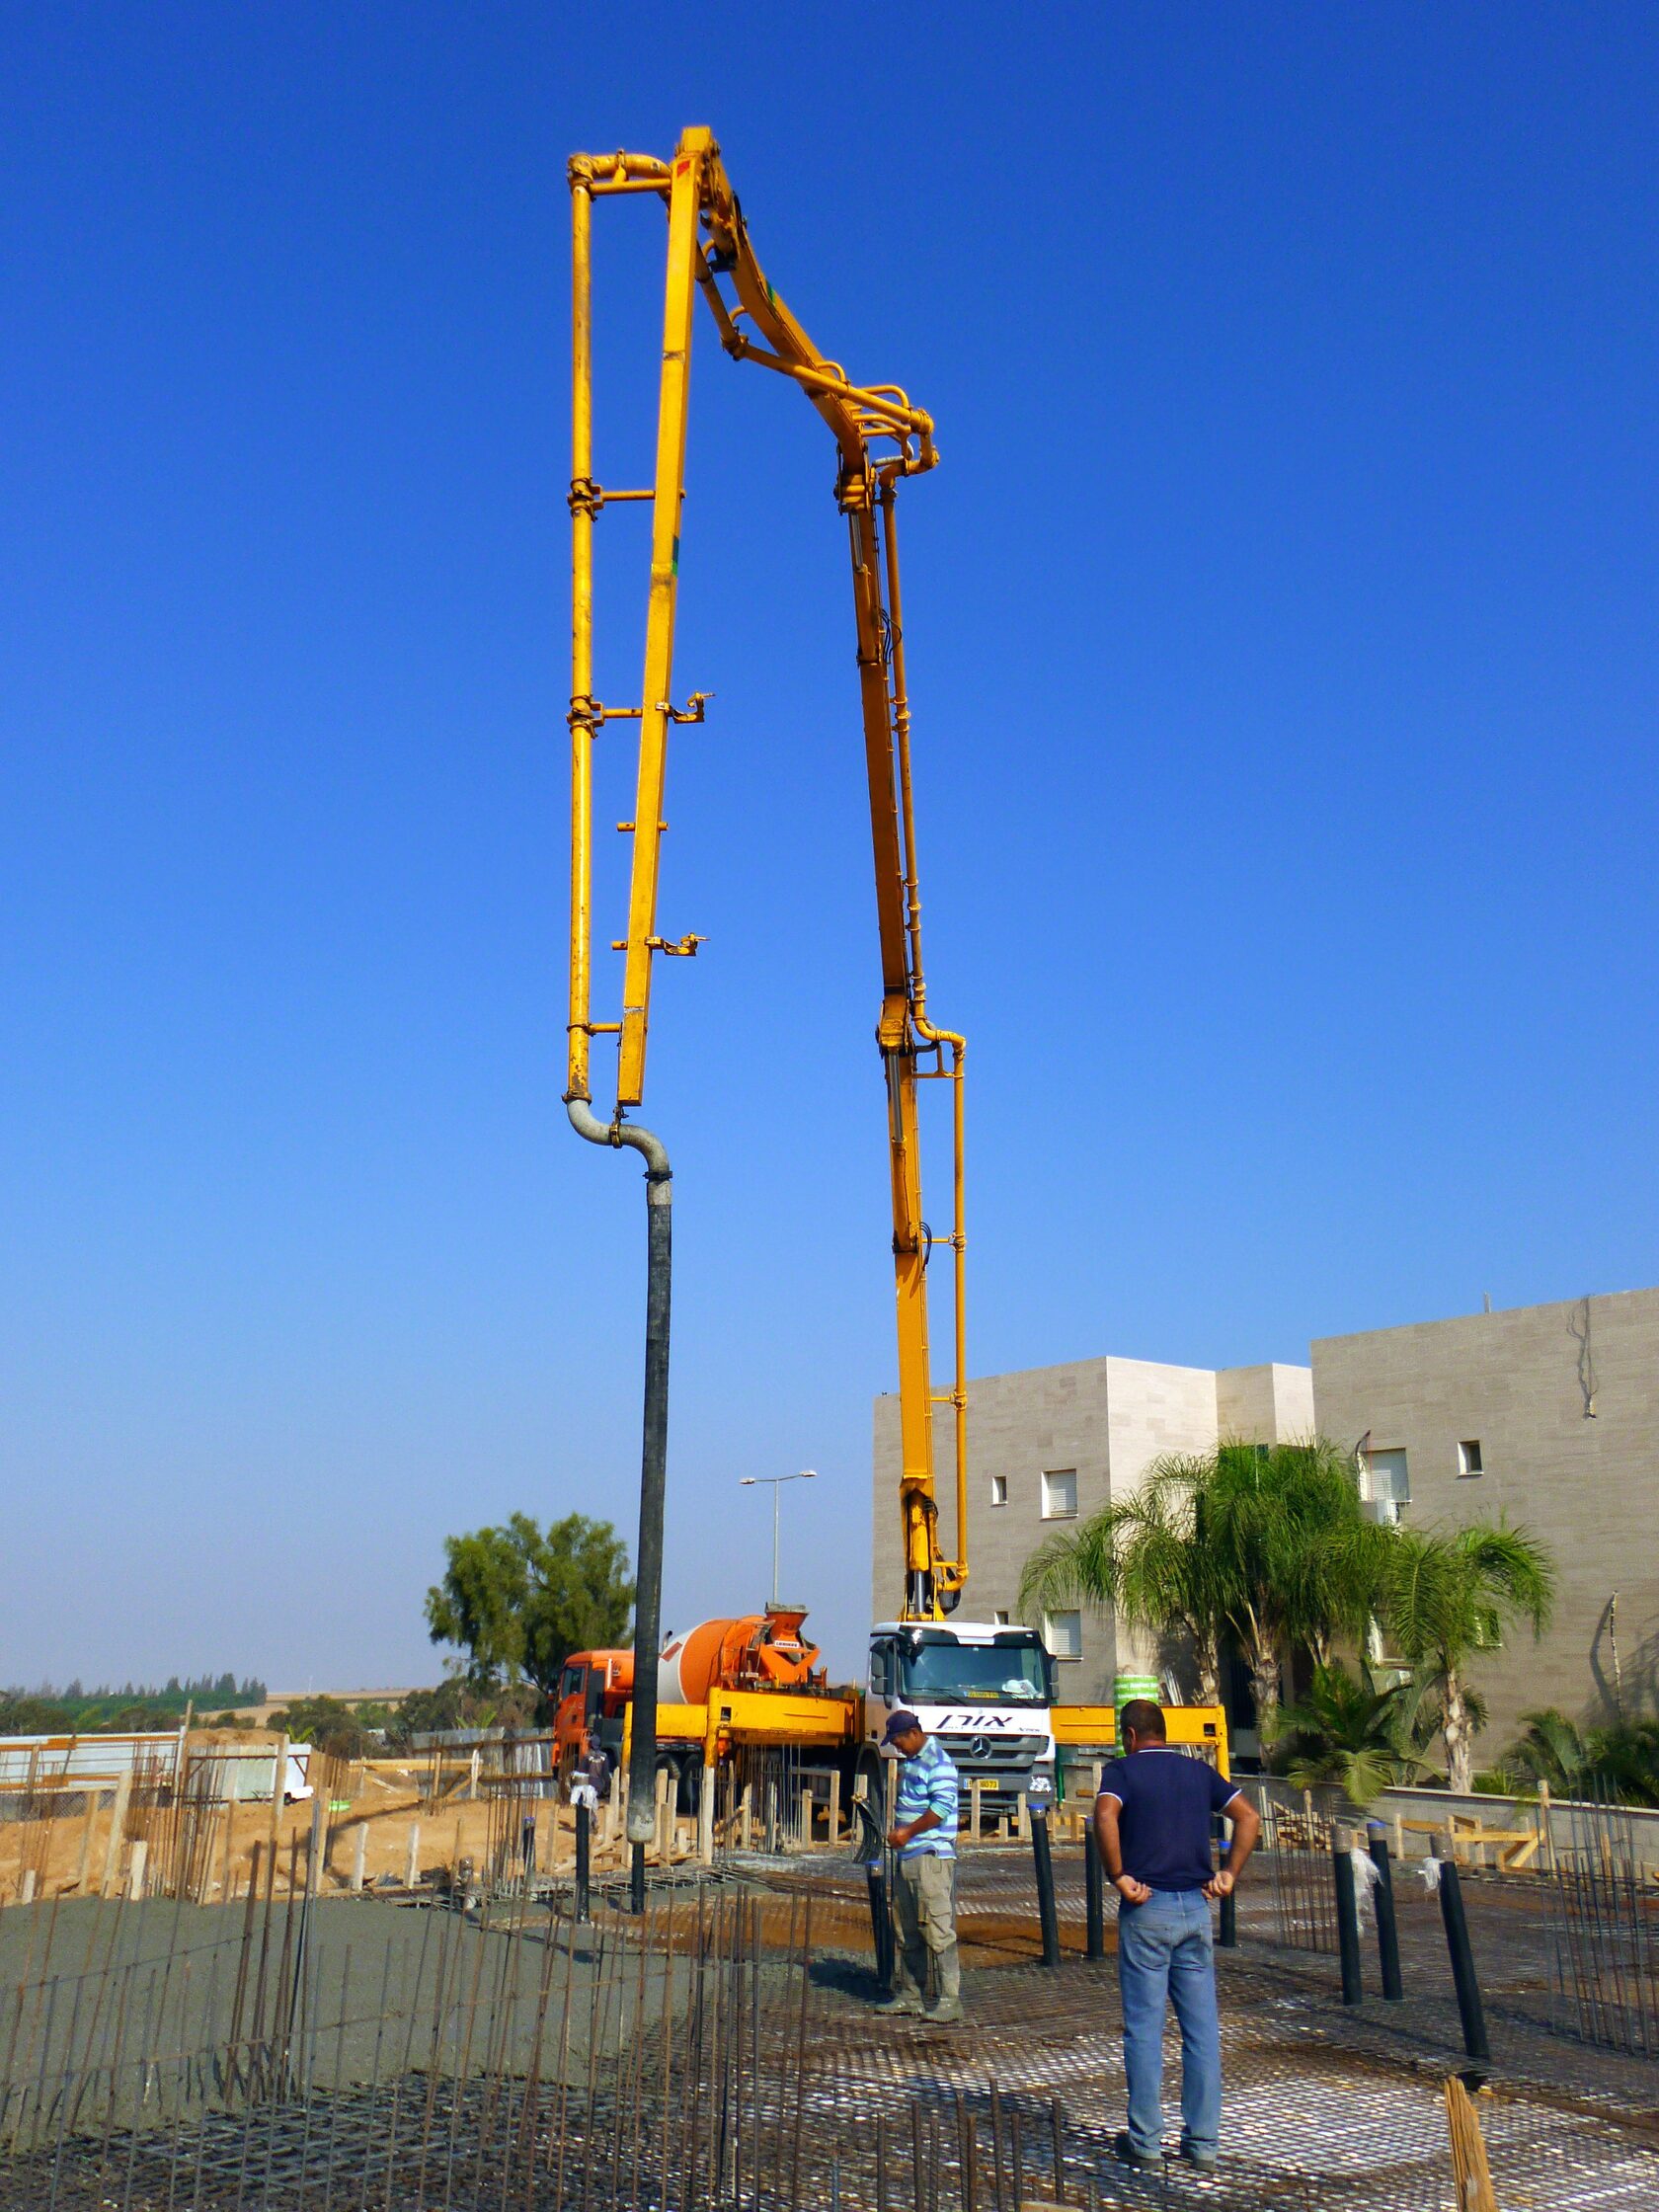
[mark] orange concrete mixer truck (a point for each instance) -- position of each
(756, 1683)
(754, 1680)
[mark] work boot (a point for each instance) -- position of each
(947, 2013)
(1124, 2150)
(900, 2003)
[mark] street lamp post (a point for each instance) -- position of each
(777, 1481)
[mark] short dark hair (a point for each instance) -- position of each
(1146, 1718)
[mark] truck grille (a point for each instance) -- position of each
(1003, 1761)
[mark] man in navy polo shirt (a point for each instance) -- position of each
(1153, 1822)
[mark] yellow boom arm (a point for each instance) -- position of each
(881, 437)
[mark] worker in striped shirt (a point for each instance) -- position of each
(923, 1834)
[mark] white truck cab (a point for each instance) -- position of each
(983, 1688)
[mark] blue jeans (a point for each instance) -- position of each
(1165, 1951)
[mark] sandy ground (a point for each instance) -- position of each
(68, 1854)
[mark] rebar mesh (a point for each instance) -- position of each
(720, 2055)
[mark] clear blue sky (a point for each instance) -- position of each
(1280, 623)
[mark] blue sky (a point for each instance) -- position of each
(1280, 623)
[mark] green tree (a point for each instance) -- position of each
(1448, 1595)
(1625, 1761)
(427, 1711)
(1620, 1761)
(518, 1602)
(1265, 1543)
(325, 1724)
(1301, 1561)
(1351, 1731)
(1145, 1555)
(1551, 1749)
(23, 1715)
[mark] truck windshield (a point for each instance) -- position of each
(1012, 1673)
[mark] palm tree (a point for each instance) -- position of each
(1350, 1732)
(1448, 1595)
(1147, 1556)
(1300, 1562)
(1620, 1761)
(1266, 1545)
(1551, 1749)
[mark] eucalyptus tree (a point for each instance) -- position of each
(1449, 1593)
(518, 1599)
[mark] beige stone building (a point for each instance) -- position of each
(1051, 1444)
(1548, 1415)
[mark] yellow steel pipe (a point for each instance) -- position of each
(657, 686)
(696, 188)
(926, 1030)
(581, 636)
(897, 412)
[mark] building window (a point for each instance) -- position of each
(1060, 1494)
(1391, 1477)
(1000, 1489)
(1468, 1456)
(1000, 1617)
(1063, 1632)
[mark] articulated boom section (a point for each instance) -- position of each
(881, 437)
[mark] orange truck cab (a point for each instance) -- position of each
(593, 1692)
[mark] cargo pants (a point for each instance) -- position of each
(924, 1905)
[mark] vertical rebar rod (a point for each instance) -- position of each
(339, 2097)
(996, 2144)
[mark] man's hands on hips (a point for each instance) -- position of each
(1129, 1890)
(1219, 1883)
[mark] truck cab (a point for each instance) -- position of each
(593, 1692)
(985, 1689)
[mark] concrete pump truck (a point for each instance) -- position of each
(987, 1689)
